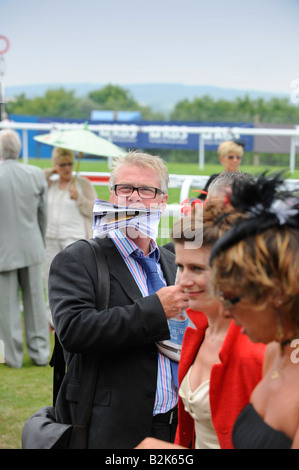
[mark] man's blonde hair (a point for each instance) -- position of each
(142, 160)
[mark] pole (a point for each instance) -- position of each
(293, 154)
(201, 152)
(2, 100)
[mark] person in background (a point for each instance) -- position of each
(23, 215)
(70, 206)
(219, 366)
(137, 392)
(221, 186)
(255, 270)
(230, 153)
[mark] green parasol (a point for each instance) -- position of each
(81, 141)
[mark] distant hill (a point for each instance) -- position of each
(159, 96)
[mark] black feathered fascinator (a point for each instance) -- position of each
(266, 203)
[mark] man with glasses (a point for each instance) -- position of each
(137, 393)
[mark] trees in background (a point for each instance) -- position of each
(64, 104)
(275, 110)
(55, 103)
(59, 103)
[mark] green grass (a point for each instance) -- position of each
(173, 193)
(25, 390)
(173, 168)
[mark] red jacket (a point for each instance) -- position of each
(231, 381)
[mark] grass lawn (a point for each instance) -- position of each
(173, 193)
(25, 390)
(173, 167)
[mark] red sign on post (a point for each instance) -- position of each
(4, 48)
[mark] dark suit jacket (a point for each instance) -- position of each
(123, 337)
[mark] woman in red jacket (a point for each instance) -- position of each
(219, 366)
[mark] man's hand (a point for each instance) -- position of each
(173, 300)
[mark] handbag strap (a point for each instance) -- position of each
(90, 365)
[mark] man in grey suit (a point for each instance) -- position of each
(23, 216)
(136, 393)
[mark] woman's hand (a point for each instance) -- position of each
(73, 192)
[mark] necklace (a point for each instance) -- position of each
(276, 372)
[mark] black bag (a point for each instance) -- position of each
(41, 431)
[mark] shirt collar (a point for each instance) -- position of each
(130, 246)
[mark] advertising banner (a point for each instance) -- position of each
(160, 134)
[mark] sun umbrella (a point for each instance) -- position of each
(82, 141)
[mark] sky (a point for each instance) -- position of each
(241, 44)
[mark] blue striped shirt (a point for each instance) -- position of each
(166, 393)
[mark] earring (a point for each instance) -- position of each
(277, 302)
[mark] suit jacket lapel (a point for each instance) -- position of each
(119, 270)
(167, 260)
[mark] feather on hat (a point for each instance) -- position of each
(266, 203)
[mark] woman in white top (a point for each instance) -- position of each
(70, 205)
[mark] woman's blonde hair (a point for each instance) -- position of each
(58, 153)
(229, 146)
(258, 264)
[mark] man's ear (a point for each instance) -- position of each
(164, 202)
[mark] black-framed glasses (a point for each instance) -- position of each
(145, 192)
(62, 165)
(229, 303)
(231, 157)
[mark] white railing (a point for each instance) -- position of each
(185, 182)
(202, 132)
